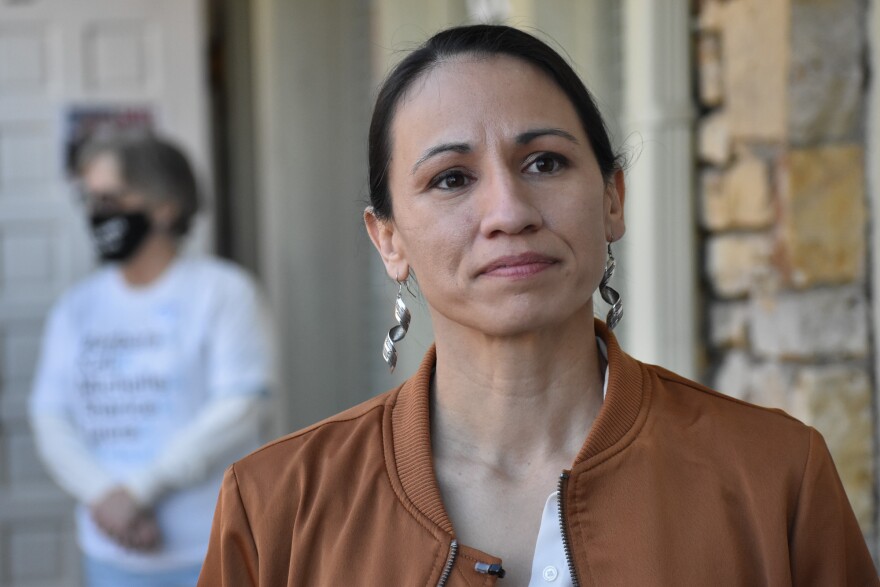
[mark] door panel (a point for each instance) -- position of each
(55, 54)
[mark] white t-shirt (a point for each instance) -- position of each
(129, 368)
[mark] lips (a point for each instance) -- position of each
(521, 265)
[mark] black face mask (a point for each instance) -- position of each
(118, 235)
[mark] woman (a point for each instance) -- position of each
(152, 376)
(528, 445)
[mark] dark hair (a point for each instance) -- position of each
(480, 39)
(152, 166)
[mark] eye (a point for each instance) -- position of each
(450, 180)
(546, 163)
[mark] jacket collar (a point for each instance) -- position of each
(411, 428)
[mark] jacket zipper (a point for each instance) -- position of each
(453, 547)
(450, 560)
(566, 546)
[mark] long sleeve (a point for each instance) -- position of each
(237, 363)
(224, 424)
(827, 545)
(60, 446)
(232, 559)
(67, 458)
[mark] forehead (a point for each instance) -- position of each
(102, 172)
(480, 98)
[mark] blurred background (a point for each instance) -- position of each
(752, 254)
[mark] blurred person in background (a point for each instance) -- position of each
(528, 448)
(153, 374)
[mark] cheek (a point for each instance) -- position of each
(580, 223)
(436, 251)
(435, 238)
(437, 254)
(579, 218)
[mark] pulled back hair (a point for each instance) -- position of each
(479, 40)
(151, 166)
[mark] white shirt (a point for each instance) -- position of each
(549, 567)
(156, 388)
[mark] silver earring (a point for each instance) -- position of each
(610, 295)
(396, 334)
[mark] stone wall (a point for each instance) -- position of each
(782, 208)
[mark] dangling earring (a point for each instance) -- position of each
(396, 334)
(610, 295)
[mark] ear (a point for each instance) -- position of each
(384, 235)
(615, 194)
(165, 214)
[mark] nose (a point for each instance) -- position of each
(99, 200)
(507, 206)
(104, 206)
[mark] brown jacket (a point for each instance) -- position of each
(675, 485)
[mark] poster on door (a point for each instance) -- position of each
(82, 123)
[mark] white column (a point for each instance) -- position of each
(658, 269)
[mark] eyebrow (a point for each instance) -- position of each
(442, 148)
(521, 139)
(531, 135)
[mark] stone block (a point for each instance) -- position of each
(736, 261)
(770, 384)
(836, 400)
(728, 324)
(738, 198)
(713, 139)
(712, 209)
(754, 43)
(823, 216)
(709, 70)
(826, 76)
(765, 384)
(824, 323)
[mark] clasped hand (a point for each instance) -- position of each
(120, 517)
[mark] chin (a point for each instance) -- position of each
(513, 315)
(517, 322)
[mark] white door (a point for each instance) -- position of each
(55, 54)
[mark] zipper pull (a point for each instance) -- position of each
(487, 569)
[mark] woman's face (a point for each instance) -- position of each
(499, 205)
(105, 191)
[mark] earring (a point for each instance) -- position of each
(610, 295)
(396, 334)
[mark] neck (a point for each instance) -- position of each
(150, 261)
(515, 400)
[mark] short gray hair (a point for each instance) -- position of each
(152, 166)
